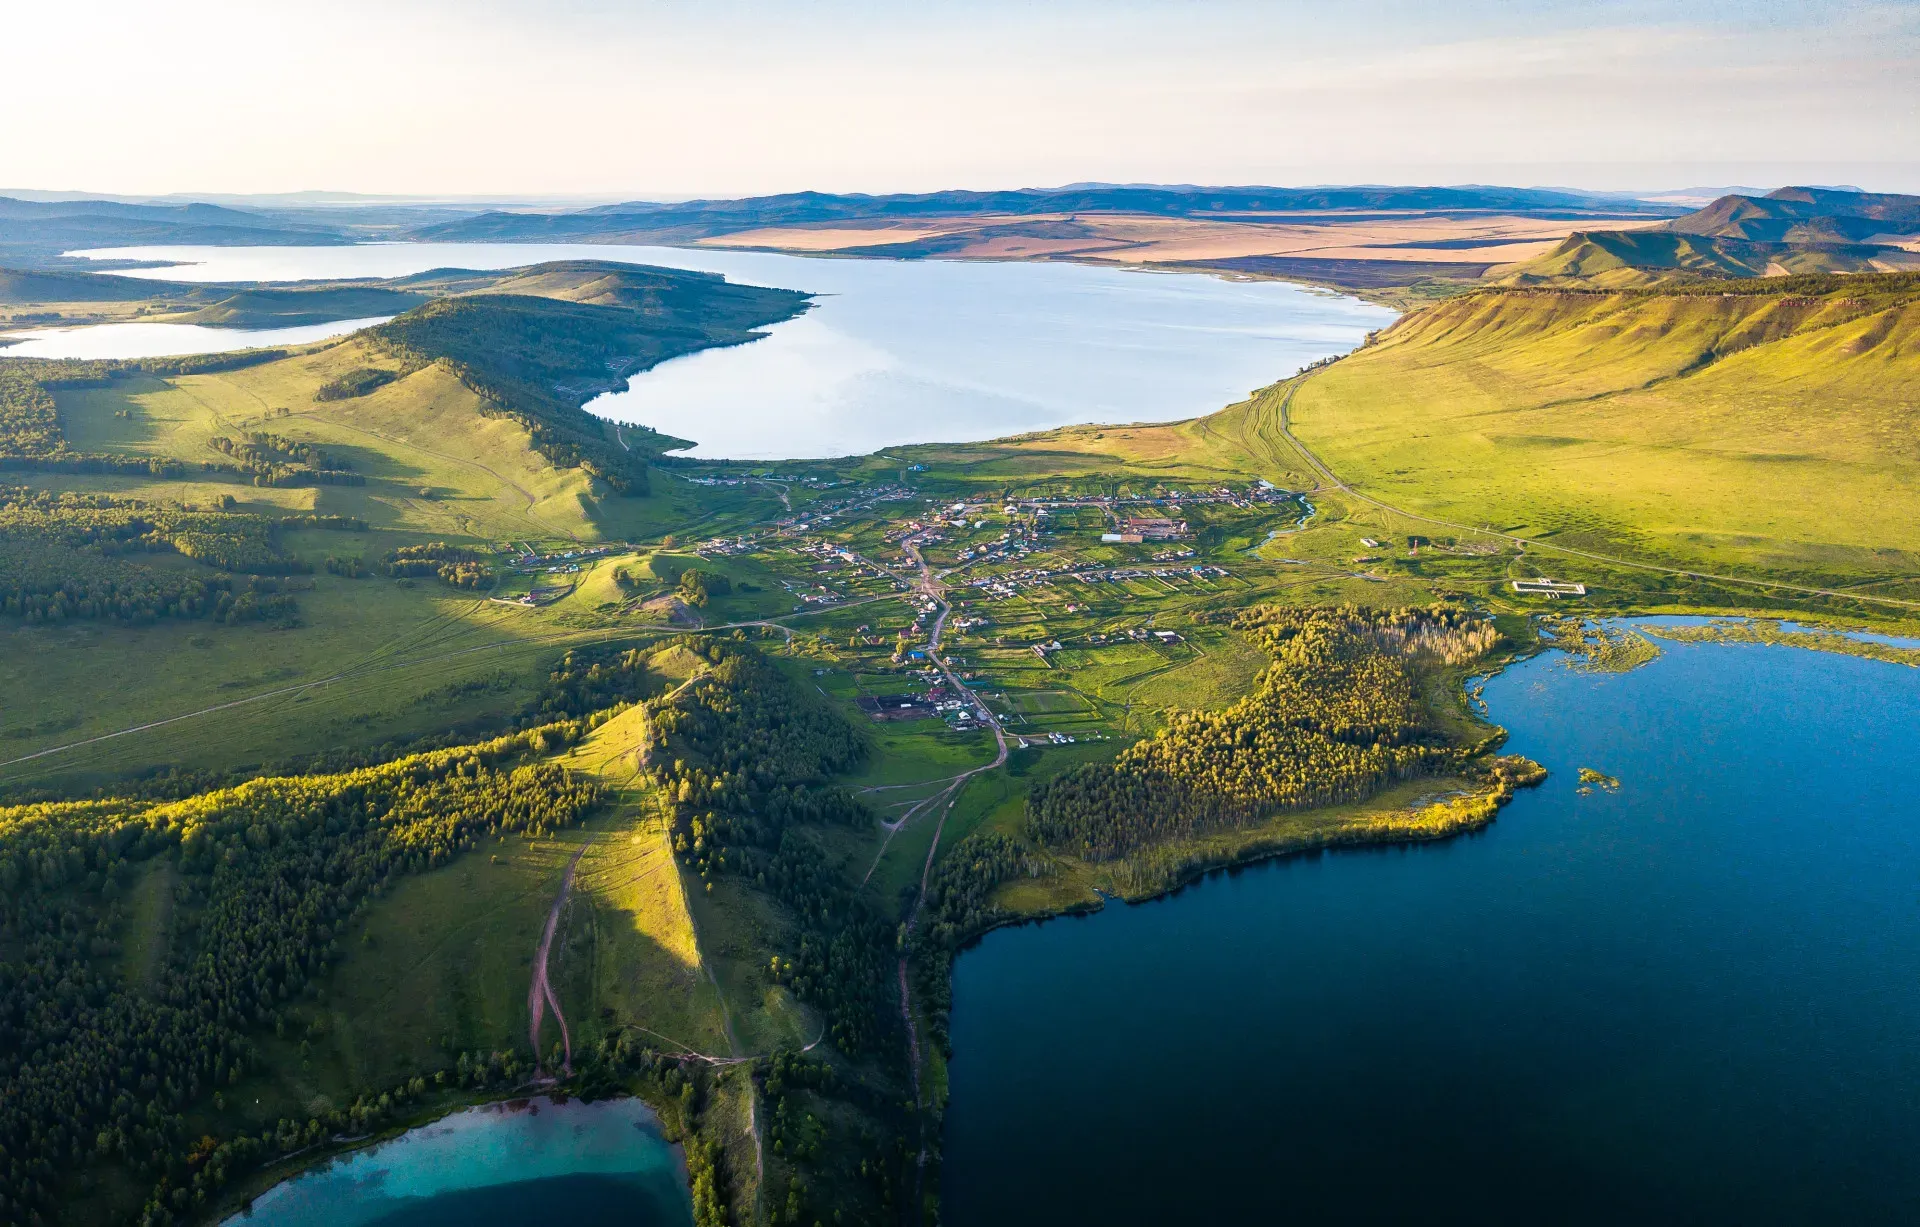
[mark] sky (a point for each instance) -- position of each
(656, 99)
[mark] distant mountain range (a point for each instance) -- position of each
(32, 232)
(1789, 231)
(1806, 215)
(692, 219)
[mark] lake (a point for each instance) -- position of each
(150, 340)
(601, 1164)
(904, 351)
(1694, 1000)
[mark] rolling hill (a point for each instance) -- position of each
(688, 220)
(1762, 425)
(36, 232)
(1795, 230)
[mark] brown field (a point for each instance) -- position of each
(1135, 239)
(836, 238)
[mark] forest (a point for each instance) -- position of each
(94, 1067)
(73, 556)
(1334, 718)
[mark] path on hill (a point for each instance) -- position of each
(540, 992)
(502, 478)
(1327, 474)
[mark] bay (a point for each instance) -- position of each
(1696, 999)
(153, 340)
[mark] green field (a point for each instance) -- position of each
(1763, 434)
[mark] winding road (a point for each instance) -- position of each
(540, 992)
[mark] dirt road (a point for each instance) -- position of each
(540, 992)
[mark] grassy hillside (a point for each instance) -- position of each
(1760, 426)
(460, 431)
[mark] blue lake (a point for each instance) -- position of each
(903, 351)
(1693, 1001)
(602, 1164)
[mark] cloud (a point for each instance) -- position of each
(744, 96)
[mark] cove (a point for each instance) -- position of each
(1695, 1000)
(151, 340)
(903, 351)
(597, 1164)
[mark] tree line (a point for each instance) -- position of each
(275, 460)
(67, 555)
(30, 432)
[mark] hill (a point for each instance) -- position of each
(1807, 215)
(36, 232)
(1762, 426)
(688, 220)
(1795, 230)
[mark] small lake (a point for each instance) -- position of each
(904, 351)
(601, 1164)
(1696, 1000)
(150, 340)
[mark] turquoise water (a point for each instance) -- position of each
(1693, 1001)
(904, 351)
(587, 1164)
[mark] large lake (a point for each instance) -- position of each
(1693, 1001)
(601, 1164)
(904, 351)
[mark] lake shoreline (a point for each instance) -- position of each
(1318, 1021)
(234, 1206)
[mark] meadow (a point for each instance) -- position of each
(1752, 432)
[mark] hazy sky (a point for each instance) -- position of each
(730, 97)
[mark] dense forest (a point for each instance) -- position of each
(96, 1064)
(1334, 718)
(458, 565)
(73, 556)
(742, 756)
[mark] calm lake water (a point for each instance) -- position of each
(905, 351)
(166, 340)
(602, 1164)
(1693, 1001)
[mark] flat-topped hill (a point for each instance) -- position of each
(1795, 230)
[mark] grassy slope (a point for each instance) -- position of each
(1766, 432)
(423, 656)
(1239, 442)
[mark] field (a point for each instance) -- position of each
(1396, 246)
